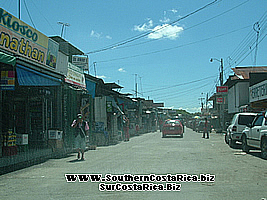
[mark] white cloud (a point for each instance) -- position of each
(95, 34)
(161, 31)
(174, 11)
(121, 70)
(193, 109)
(99, 35)
(166, 31)
(145, 27)
(103, 76)
(165, 20)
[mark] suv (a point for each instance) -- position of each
(237, 125)
(255, 135)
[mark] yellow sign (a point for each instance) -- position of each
(21, 39)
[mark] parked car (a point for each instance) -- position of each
(172, 127)
(254, 135)
(236, 127)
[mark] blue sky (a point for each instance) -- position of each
(172, 62)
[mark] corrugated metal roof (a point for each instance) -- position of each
(243, 72)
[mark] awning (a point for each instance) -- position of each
(7, 59)
(90, 86)
(30, 77)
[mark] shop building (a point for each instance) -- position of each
(30, 87)
(258, 91)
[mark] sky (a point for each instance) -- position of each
(162, 47)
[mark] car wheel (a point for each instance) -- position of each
(245, 147)
(182, 135)
(264, 148)
(231, 143)
(226, 139)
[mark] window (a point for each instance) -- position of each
(258, 121)
(245, 119)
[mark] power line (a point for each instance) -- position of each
(246, 44)
(29, 13)
(44, 17)
(176, 47)
(127, 46)
(149, 32)
(181, 84)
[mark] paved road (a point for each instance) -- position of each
(237, 175)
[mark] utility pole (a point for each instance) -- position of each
(136, 86)
(221, 73)
(94, 63)
(19, 10)
(256, 28)
(220, 107)
(202, 104)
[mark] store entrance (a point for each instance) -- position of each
(40, 120)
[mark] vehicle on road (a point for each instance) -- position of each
(172, 127)
(254, 135)
(236, 127)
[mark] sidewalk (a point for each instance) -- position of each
(32, 157)
(28, 158)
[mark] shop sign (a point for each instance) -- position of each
(80, 61)
(222, 89)
(51, 59)
(219, 100)
(23, 40)
(258, 92)
(7, 81)
(75, 76)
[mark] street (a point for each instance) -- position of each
(237, 175)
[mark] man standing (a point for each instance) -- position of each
(81, 131)
(206, 130)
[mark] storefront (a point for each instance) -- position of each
(258, 95)
(76, 99)
(30, 88)
(7, 85)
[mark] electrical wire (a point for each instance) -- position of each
(29, 13)
(246, 44)
(181, 84)
(44, 17)
(176, 47)
(152, 31)
(186, 29)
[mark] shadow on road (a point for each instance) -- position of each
(76, 160)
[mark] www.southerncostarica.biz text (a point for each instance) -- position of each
(130, 178)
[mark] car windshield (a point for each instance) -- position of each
(245, 119)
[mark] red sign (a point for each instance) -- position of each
(219, 100)
(222, 89)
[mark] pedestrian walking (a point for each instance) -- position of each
(126, 124)
(205, 129)
(81, 131)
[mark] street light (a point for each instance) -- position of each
(221, 107)
(63, 25)
(221, 72)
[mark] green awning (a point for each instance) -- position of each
(7, 59)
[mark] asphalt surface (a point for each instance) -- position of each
(237, 175)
